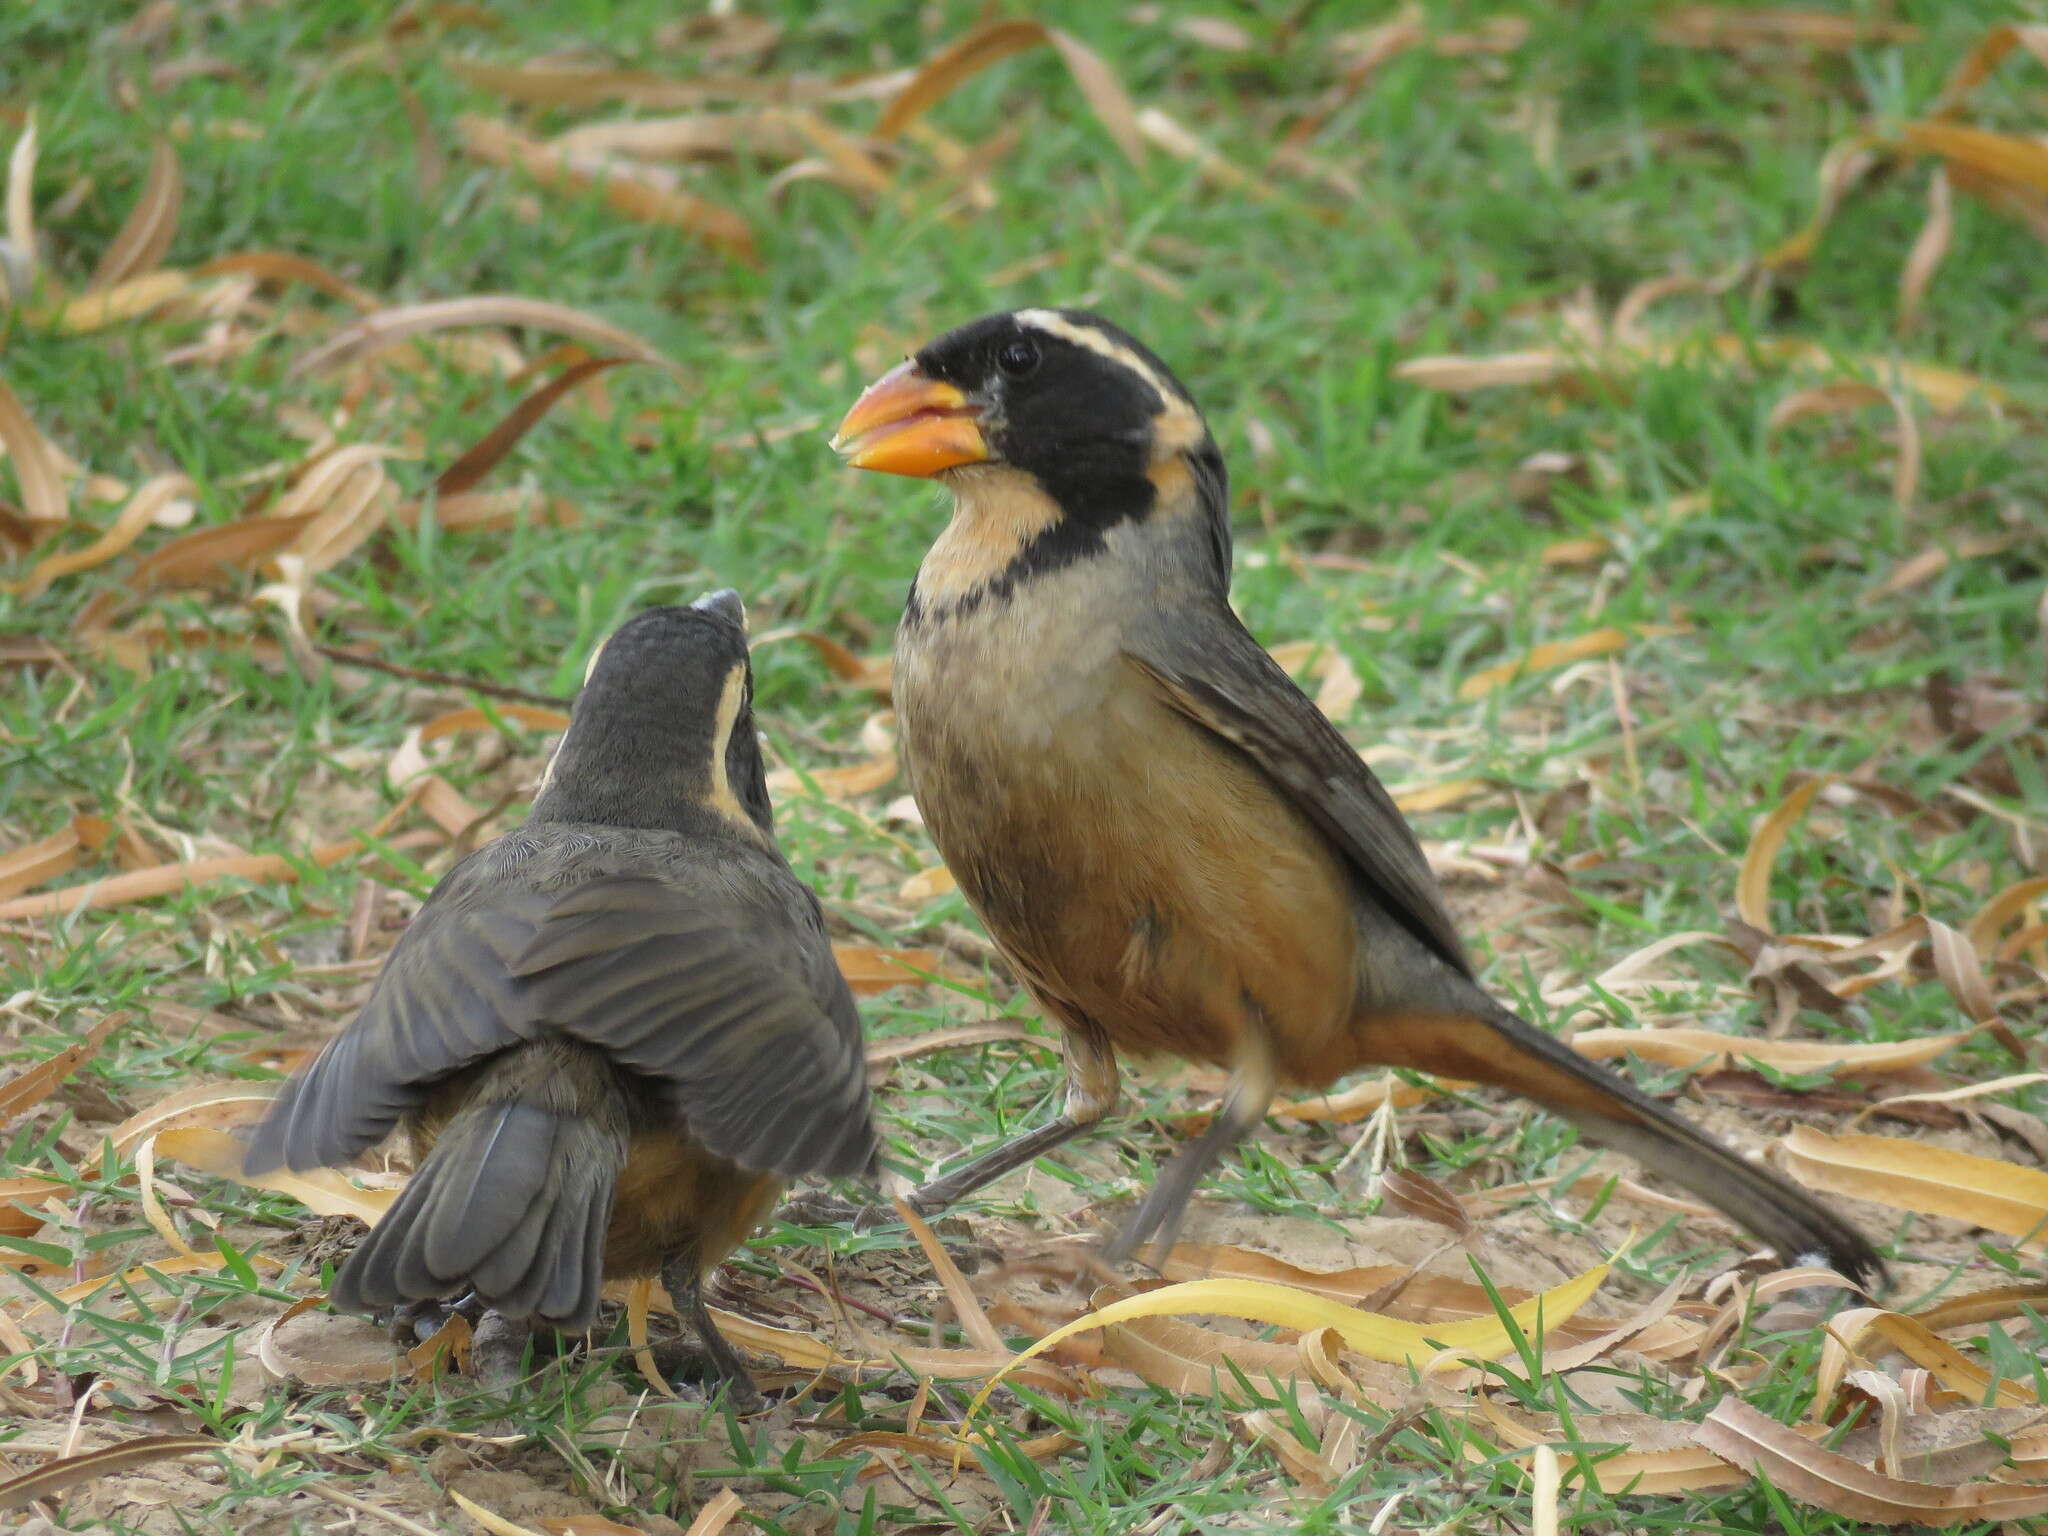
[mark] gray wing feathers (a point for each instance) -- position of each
(721, 990)
(1210, 668)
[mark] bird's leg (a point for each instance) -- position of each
(1091, 1095)
(418, 1321)
(684, 1280)
(1252, 1084)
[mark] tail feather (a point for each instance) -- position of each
(1492, 1045)
(512, 1203)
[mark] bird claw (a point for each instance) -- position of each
(415, 1322)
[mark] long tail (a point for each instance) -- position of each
(1504, 1051)
(512, 1203)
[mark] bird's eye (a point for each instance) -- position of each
(1017, 358)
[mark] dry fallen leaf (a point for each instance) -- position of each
(53, 1477)
(1915, 1176)
(35, 467)
(1558, 653)
(388, 327)
(967, 56)
(634, 193)
(150, 225)
(1830, 1481)
(29, 1087)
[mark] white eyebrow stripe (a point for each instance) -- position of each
(1054, 323)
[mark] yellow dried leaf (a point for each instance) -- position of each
(144, 507)
(1705, 1049)
(34, 460)
(928, 884)
(30, 1086)
(496, 1524)
(1372, 1334)
(1914, 1176)
(150, 225)
(842, 783)
(867, 969)
(323, 1191)
(1558, 653)
(622, 188)
(1753, 880)
(125, 301)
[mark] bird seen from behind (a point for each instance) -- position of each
(612, 1034)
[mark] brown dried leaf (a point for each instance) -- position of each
(15, 1193)
(387, 327)
(1661, 1456)
(1847, 395)
(143, 509)
(480, 459)
(1915, 1176)
(1830, 1481)
(695, 136)
(324, 1349)
(543, 85)
(1981, 60)
(534, 716)
(162, 879)
(54, 1477)
(624, 188)
(37, 863)
(216, 556)
(150, 226)
(1423, 1197)
(29, 1087)
(35, 462)
(968, 55)
(867, 671)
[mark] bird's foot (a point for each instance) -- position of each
(698, 1372)
(497, 1352)
(418, 1321)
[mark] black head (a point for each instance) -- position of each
(663, 727)
(1079, 405)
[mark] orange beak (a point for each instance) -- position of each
(906, 423)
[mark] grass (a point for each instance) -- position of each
(1380, 518)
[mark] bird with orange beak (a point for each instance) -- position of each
(1174, 849)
